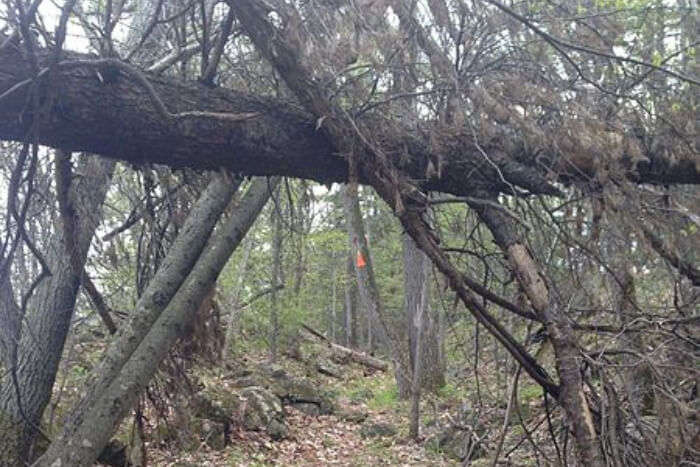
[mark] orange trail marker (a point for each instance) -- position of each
(360, 260)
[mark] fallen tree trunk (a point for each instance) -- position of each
(346, 353)
(143, 118)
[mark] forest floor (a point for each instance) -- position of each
(317, 440)
(323, 439)
(336, 439)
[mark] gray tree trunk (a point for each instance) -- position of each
(10, 321)
(169, 277)
(423, 330)
(91, 426)
(36, 345)
(417, 305)
(276, 279)
(369, 291)
(231, 326)
(351, 306)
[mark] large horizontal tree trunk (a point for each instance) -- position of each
(410, 207)
(258, 135)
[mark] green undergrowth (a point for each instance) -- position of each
(378, 391)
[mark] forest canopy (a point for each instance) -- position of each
(533, 163)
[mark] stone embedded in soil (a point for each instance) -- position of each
(376, 430)
(352, 415)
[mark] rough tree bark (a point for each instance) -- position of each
(276, 220)
(260, 136)
(416, 295)
(417, 305)
(91, 426)
(264, 148)
(366, 283)
(10, 321)
(568, 358)
(25, 389)
(170, 275)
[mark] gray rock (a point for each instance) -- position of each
(307, 408)
(375, 430)
(296, 391)
(352, 416)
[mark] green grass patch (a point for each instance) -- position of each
(449, 391)
(530, 392)
(384, 398)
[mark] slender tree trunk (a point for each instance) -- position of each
(417, 302)
(81, 441)
(276, 279)
(366, 284)
(169, 277)
(231, 326)
(369, 292)
(351, 305)
(25, 389)
(423, 340)
(568, 359)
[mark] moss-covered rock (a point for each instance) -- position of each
(263, 412)
(352, 415)
(295, 390)
(254, 407)
(376, 430)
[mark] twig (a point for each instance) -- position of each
(506, 417)
(558, 43)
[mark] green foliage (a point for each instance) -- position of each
(530, 392)
(449, 391)
(386, 398)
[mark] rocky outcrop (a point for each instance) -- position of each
(295, 391)
(253, 399)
